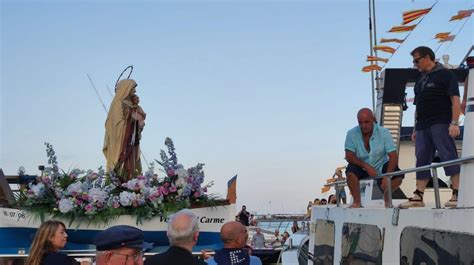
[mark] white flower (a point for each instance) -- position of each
(126, 198)
(75, 188)
(182, 173)
(38, 189)
(135, 184)
(65, 205)
(97, 195)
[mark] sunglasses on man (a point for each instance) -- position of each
(417, 60)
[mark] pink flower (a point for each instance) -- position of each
(89, 208)
(170, 173)
(158, 192)
(85, 197)
(116, 204)
(167, 184)
(164, 191)
(173, 188)
(197, 194)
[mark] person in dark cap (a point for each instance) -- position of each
(120, 244)
(183, 233)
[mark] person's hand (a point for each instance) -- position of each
(413, 136)
(205, 254)
(371, 171)
(249, 249)
(454, 130)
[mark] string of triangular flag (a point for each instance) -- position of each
(446, 36)
(408, 17)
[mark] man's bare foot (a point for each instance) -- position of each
(355, 205)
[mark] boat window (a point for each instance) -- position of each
(361, 244)
(428, 246)
(324, 243)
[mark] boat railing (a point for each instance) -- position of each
(433, 167)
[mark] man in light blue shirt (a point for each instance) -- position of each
(370, 152)
(234, 235)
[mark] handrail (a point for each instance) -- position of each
(433, 167)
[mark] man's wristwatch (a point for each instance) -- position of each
(455, 123)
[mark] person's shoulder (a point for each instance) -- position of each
(445, 73)
(353, 130)
(211, 261)
(155, 259)
(381, 128)
(57, 258)
(254, 260)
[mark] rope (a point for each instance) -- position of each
(457, 33)
(97, 93)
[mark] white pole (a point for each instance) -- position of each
(466, 196)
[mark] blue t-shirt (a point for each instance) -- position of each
(381, 143)
(253, 261)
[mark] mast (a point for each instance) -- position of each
(372, 91)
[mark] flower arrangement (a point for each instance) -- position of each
(100, 196)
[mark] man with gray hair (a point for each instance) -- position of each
(183, 233)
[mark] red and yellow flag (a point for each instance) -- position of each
(402, 28)
(372, 67)
(441, 35)
(409, 16)
(447, 38)
(391, 40)
(384, 48)
(462, 14)
(376, 59)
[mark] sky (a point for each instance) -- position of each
(263, 89)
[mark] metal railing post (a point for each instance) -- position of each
(389, 192)
(337, 195)
(434, 173)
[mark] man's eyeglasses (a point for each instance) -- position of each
(417, 60)
(137, 257)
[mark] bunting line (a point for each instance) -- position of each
(409, 16)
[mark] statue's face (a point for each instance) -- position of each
(135, 100)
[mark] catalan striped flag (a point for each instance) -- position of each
(441, 35)
(402, 28)
(409, 16)
(376, 59)
(232, 189)
(462, 14)
(391, 40)
(384, 48)
(372, 67)
(447, 38)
